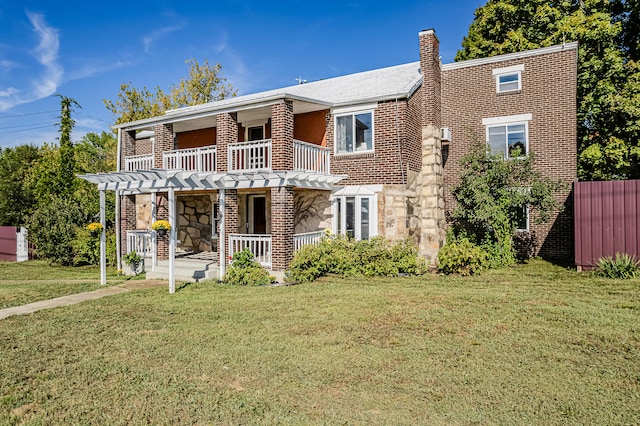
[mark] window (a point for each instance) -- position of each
(508, 79)
(354, 133)
(354, 212)
(255, 133)
(521, 214)
(508, 135)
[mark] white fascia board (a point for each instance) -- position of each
(506, 119)
(510, 56)
(178, 115)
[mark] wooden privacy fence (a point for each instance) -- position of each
(606, 220)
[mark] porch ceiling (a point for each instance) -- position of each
(159, 180)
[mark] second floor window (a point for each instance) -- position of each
(354, 133)
(510, 140)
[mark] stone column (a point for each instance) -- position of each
(226, 133)
(282, 226)
(431, 195)
(282, 135)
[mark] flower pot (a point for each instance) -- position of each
(162, 232)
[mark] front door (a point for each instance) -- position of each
(257, 217)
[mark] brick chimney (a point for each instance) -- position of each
(430, 68)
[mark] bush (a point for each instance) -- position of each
(244, 270)
(338, 255)
(86, 248)
(463, 257)
(623, 266)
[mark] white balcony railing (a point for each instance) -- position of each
(138, 162)
(250, 156)
(308, 157)
(192, 159)
(141, 242)
(300, 240)
(259, 245)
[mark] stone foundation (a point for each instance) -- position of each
(194, 223)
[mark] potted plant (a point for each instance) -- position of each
(133, 261)
(95, 228)
(161, 227)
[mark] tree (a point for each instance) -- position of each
(66, 177)
(18, 199)
(608, 78)
(492, 195)
(205, 83)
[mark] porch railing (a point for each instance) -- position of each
(300, 240)
(138, 162)
(250, 156)
(308, 157)
(141, 242)
(259, 245)
(192, 159)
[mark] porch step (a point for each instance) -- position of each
(186, 269)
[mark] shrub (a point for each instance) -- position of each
(342, 256)
(86, 248)
(623, 266)
(244, 270)
(463, 257)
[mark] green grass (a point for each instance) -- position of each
(32, 281)
(535, 344)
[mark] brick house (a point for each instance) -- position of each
(372, 153)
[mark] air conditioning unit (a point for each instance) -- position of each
(445, 134)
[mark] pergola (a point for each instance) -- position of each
(170, 181)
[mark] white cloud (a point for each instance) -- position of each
(155, 35)
(47, 54)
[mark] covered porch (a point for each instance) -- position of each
(241, 199)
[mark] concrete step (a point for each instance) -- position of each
(192, 270)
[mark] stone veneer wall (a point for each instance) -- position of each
(194, 223)
(312, 210)
(143, 211)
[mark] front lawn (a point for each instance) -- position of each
(35, 280)
(536, 344)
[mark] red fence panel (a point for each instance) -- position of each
(8, 243)
(606, 220)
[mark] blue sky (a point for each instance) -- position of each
(85, 50)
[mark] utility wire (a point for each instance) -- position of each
(24, 115)
(25, 130)
(26, 125)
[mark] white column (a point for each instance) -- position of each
(103, 240)
(222, 237)
(154, 237)
(172, 241)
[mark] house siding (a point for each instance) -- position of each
(549, 94)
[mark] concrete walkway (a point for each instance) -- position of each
(80, 297)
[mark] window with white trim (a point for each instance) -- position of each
(508, 135)
(354, 132)
(355, 212)
(508, 79)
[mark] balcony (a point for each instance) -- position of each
(191, 159)
(243, 157)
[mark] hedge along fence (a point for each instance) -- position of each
(606, 220)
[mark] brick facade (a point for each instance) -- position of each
(162, 213)
(282, 226)
(226, 133)
(231, 216)
(282, 135)
(163, 142)
(548, 94)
